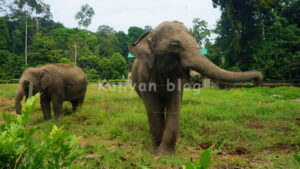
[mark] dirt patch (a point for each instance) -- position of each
(241, 151)
(281, 127)
(93, 155)
(255, 125)
(87, 141)
(107, 108)
(275, 96)
(263, 103)
(238, 151)
(298, 121)
(81, 118)
(279, 149)
(7, 105)
(205, 145)
(297, 100)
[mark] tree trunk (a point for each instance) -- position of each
(26, 42)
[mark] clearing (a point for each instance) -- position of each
(259, 126)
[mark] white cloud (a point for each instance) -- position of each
(121, 14)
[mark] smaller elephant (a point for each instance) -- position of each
(56, 83)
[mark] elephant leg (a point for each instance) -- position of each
(81, 100)
(156, 118)
(169, 138)
(46, 107)
(57, 104)
(75, 104)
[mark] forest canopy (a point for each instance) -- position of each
(251, 34)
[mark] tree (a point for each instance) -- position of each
(47, 25)
(92, 74)
(123, 42)
(24, 9)
(89, 62)
(148, 28)
(4, 56)
(200, 31)
(84, 16)
(111, 41)
(260, 35)
(134, 33)
(13, 67)
(4, 34)
(105, 69)
(109, 45)
(119, 65)
(291, 11)
(41, 50)
(105, 30)
(114, 67)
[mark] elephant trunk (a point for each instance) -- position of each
(202, 65)
(19, 97)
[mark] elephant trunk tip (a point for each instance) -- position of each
(19, 98)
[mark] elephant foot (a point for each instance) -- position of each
(47, 118)
(154, 149)
(164, 150)
(57, 116)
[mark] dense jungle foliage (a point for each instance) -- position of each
(251, 34)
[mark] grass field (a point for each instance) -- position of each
(259, 126)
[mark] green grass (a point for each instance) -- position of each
(114, 129)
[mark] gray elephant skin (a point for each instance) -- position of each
(56, 83)
(166, 55)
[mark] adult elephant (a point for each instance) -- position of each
(164, 57)
(56, 83)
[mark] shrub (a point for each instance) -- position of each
(91, 74)
(66, 61)
(18, 148)
(203, 162)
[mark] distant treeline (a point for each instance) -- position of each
(251, 34)
(259, 34)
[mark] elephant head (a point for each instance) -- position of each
(171, 46)
(40, 80)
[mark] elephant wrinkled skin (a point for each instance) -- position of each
(166, 55)
(56, 83)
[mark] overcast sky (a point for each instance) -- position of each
(121, 14)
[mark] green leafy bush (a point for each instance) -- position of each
(19, 149)
(297, 157)
(66, 61)
(203, 162)
(91, 74)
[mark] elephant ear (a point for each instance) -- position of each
(46, 79)
(142, 49)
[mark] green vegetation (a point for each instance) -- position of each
(84, 16)
(203, 162)
(260, 125)
(263, 35)
(20, 149)
(101, 54)
(251, 34)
